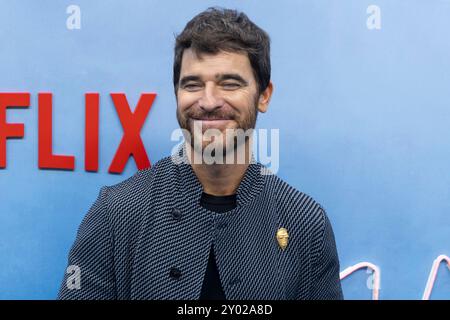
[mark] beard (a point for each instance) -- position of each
(230, 142)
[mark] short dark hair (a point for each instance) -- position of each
(217, 29)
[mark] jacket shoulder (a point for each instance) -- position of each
(291, 199)
(141, 179)
(299, 208)
(127, 200)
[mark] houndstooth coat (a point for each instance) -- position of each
(148, 238)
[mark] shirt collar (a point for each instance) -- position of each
(250, 186)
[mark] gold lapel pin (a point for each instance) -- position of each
(282, 238)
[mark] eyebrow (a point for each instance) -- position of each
(219, 77)
(232, 76)
(186, 79)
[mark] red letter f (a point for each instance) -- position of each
(10, 130)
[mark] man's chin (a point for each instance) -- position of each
(219, 148)
(212, 126)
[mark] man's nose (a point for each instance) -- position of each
(210, 99)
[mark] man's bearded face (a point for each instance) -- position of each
(216, 91)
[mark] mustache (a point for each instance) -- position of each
(213, 115)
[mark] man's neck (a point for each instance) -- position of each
(220, 179)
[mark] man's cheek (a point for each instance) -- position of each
(186, 99)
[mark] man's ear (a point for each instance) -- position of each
(264, 98)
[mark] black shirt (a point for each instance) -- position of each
(212, 287)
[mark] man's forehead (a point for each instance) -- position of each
(214, 64)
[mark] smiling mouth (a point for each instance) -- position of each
(212, 122)
(211, 119)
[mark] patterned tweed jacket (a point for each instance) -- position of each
(148, 238)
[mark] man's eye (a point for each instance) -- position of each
(231, 85)
(191, 86)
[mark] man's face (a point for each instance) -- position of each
(216, 91)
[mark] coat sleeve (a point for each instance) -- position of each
(326, 284)
(90, 271)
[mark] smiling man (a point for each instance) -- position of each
(214, 229)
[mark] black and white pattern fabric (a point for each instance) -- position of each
(148, 238)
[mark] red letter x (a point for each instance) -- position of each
(132, 122)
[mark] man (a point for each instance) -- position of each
(218, 228)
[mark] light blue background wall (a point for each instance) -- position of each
(363, 115)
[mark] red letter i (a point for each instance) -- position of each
(91, 132)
